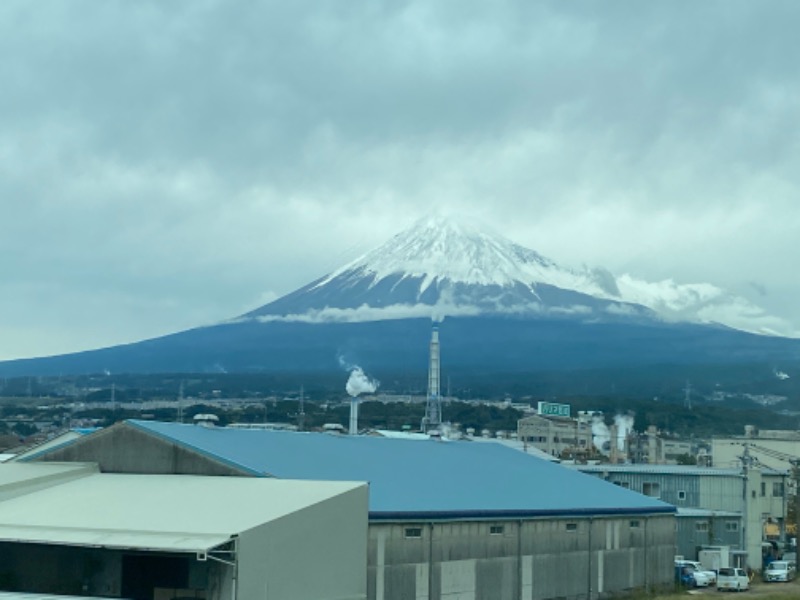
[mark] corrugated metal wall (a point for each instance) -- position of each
(511, 560)
(697, 531)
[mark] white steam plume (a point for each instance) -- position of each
(624, 425)
(600, 433)
(359, 383)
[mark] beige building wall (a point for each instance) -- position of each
(554, 435)
(728, 452)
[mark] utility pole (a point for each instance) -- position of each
(794, 461)
(301, 412)
(180, 403)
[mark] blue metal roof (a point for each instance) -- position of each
(416, 479)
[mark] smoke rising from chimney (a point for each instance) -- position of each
(600, 433)
(624, 425)
(359, 383)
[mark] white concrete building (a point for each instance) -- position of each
(73, 530)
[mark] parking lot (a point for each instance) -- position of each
(758, 589)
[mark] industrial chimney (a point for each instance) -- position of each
(353, 429)
(432, 421)
(358, 383)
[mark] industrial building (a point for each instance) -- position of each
(555, 435)
(69, 529)
(737, 505)
(649, 447)
(700, 530)
(446, 519)
(779, 449)
(581, 438)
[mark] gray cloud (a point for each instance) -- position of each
(166, 165)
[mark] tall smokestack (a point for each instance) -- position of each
(433, 408)
(353, 416)
(358, 383)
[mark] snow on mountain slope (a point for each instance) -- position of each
(446, 267)
(458, 251)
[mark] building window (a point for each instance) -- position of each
(651, 489)
(496, 530)
(572, 527)
(681, 494)
(731, 526)
(701, 526)
(777, 490)
(413, 532)
(634, 524)
(763, 488)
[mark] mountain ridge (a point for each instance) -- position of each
(377, 311)
(452, 267)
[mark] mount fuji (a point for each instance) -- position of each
(502, 310)
(443, 267)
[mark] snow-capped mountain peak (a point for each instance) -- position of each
(459, 251)
(443, 267)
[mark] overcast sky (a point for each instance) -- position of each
(165, 165)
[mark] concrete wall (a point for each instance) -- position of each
(124, 449)
(317, 553)
(512, 560)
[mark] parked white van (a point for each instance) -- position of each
(732, 579)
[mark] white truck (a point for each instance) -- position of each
(702, 577)
(732, 579)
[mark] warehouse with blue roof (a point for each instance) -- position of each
(447, 519)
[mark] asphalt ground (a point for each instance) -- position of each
(757, 589)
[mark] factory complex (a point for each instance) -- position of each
(149, 510)
(446, 519)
